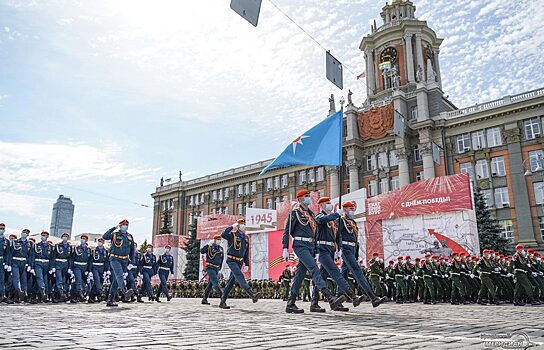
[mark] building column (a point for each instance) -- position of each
(371, 79)
(332, 173)
(418, 52)
(437, 66)
(524, 221)
(404, 170)
(353, 167)
(352, 132)
(428, 162)
(409, 58)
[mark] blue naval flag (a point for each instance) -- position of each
(321, 145)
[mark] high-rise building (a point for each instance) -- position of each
(63, 217)
(498, 143)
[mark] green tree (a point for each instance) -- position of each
(193, 256)
(489, 230)
(165, 229)
(143, 247)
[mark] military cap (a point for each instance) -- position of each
(302, 193)
(323, 200)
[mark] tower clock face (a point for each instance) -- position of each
(389, 54)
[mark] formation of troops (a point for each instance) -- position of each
(42, 272)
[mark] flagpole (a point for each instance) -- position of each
(341, 167)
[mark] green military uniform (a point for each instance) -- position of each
(390, 281)
(523, 284)
(457, 286)
(427, 270)
(436, 278)
(306, 287)
(485, 268)
(409, 271)
(375, 272)
(420, 285)
(285, 280)
(400, 275)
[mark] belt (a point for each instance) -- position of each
(148, 267)
(304, 239)
(485, 273)
(234, 258)
(164, 268)
(42, 260)
(212, 265)
(80, 263)
(375, 274)
(98, 263)
(399, 275)
(520, 270)
(428, 276)
(61, 260)
(353, 244)
(19, 258)
(119, 256)
(454, 273)
(326, 243)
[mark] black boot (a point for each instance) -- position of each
(9, 299)
(82, 298)
(223, 304)
(43, 297)
(111, 300)
(314, 306)
(139, 298)
(157, 298)
(254, 296)
(168, 297)
(205, 301)
(2, 298)
(333, 301)
(354, 299)
(291, 308)
(150, 298)
(127, 294)
(341, 308)
(91, 298)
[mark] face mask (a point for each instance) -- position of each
(351, 213)
(65, 239)
(307, 201)
(44, 238)
(217, 242)
(167, 251)
(242, 227)
(123, 228)
(2, 232)
(100, 244)
(328, 207)
(149, 250)
(83, 241)
(24, 235)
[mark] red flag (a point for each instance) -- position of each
(362, 75)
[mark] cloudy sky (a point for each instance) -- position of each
(99, 99)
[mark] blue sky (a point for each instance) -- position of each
(108, 96)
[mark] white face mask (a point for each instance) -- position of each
(167, 251)
(123, 228)
(2, 231)
(351, 213)
(100, 244)
(65, 239)
(149, 250)
(328, 207)
(242, 227)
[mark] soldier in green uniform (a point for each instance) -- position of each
(532, 274)
(285, 280)
(427, 270)
(457, 286)
(418, 277)
(485, 268)
(523, 284)
(375, 273)
(436, 277)
(306, 287)
(390, 280)
(409, 271)
(400, 279)
(444, 279)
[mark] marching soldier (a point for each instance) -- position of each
(348, 239)
(21, 256)
(409, 272)
(485, 268)
(418, 276)
(400, 278)
(4, 250)
(133, 270)
(458, 289)
(165, 264)
(301, 226)
(99, 266)
(62, 254)
(519, 265)
(122, 245)
(42, 264)
(375, 272)
(237, 255)
(81, 257)
(148, 266)
(390, 280)
(214, 256)
(427, 271)
(285, 280)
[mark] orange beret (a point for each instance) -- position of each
(348, 204)
(323, 200)
(84, 236)
(241, 221)
(520, 246)
(123, 222)
(65, 234)
(375, 254)
(302, 193)
(150, 245)
(167, 246)
(100, 239)
(217, 237)
(12, 236)
(26, 230)
(44, 233)
(32, 239)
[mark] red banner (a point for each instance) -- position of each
(175, 241)
(276, 263)
(211, 225)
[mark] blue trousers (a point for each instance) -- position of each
(328, 267)
(42, 280)
(117, 266)
(306, 263)
(236, 275)
(351, 264)
(79, 274)
(2, 277)
(146, 282)
(131, 278)
(61, 276)
(98, 279)
(163, 276)
(18, 275)
(213, 282)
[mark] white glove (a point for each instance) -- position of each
(140, 275)
(509, 275)
(33, 272)
(105, 274)
(108, 272)
(338, 254)
(317, 257)
(28, 268)
(405, 277)
(86, 273)
(497, 269)
(53, 270)
(235, 226)
(535, 274)
(245, 269)
(72, 279)
(70, 272)
(130, 267)
(8, 268)
(529, 265)
(471, 275)
(416, 277)
(125, 274)
(285, 254)
(436, 272)
(72, 276)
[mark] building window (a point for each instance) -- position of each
(467, 168)
(320, 175)
(214, 195)
(302, 177)
(277, 180)
(482, 169)
(253, 187)
(269, 184)
(269, 203)
(501, 197)
(541, 221)
(384, 185)
(393, 160)
(382, 160)
(497, 167)
(417, 154)
(372, 188)
(220, 193)
(240, 209)
(311, 175)
(478, 139)
(192, 200)
(463, 143)
(532, 128)
(371, 162)
(247, 188)
(395, 183)
(284, 181)
(413, 112)
(240, 190)
(535, 158)
(538, 188)
(419, 176)
(507, 229)
(488, 197)
(494, 137)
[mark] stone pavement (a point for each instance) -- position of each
(185, 324)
